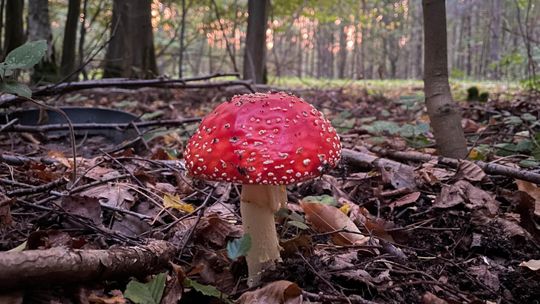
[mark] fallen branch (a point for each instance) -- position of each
(186, 83)
(57, 266)
(101, 126)
(489, 168)
(19, 160)
(368, 161)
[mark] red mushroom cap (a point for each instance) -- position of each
(271, 138)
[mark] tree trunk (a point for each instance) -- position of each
(443, 112)
(2, 6)
(82, 36)
(182, 33)
(70, 39)
(39, 27)
(495, 45)
(255, 51)
(131, 50)
(418, 42)
(14, 35)
(342, 56)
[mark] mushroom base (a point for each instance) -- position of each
(258, 205)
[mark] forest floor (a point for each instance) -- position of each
(437, 234)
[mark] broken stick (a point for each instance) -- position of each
(59, 265)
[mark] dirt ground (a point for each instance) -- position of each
(446, 236)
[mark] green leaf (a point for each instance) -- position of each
(294, 216)
(298, 224)
(15, 88)
(146, 293)
(321, 199)
(529, 163)
(206, 290)
(528, 117)
(239, 247)
(27, 55)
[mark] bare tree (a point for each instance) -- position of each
(495, 32)
(442, 110)
(131, 50)
(255, 51)
(70, 38)
(182, 34)
(39, 27)
(14, 32)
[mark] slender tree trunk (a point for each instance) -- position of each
(300, 59)
(14, 35)
(495, 37)
(2, 6)
(342, 56)
(70, 39)
(82, 35)
(443, 112)
(418, 42)
(468, 50)
(255, 50)
(131, 50)
(39, 27)
(182, 33)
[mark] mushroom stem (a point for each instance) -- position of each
(258, 205)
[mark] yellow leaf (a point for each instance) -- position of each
(474, 154)
(345, 208)
(174, 201)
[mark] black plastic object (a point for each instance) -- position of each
(78, 115)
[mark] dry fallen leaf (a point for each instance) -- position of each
(113, 194)
(532, 190)
(174, 201)
(484, 274)
(115, 297)
(60, 157)
(462, 192)
(405, 200)
(533, 265)
(470, 171)
(429, 298)
(5, 210)
(278, 292)
(326, 218)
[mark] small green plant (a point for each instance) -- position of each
(472, 93)
(23, 57)
(483, 97)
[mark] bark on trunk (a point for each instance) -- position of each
(57, 266)
(342, 59)
(14, 35)
(255, 51)
(70, 39)
(82, 35)
(39, 27)
(443, 112)
(182, 33)
(131, 50)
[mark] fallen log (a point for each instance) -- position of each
(186, 83)
(368, 161)
(489, 168)
(99, 126)
(60, 265)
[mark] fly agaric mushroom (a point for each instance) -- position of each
(264, 142)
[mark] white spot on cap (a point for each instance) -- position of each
(306, 161)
